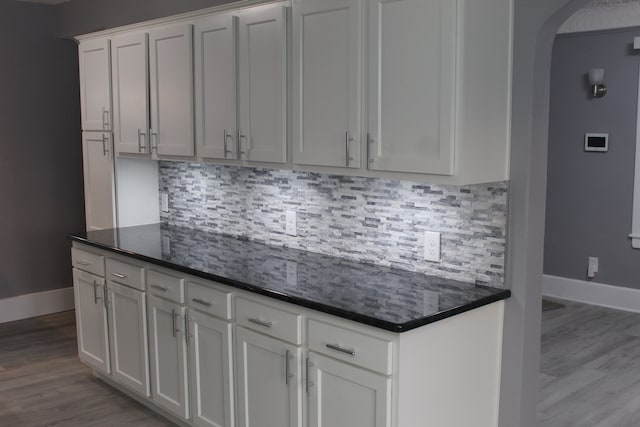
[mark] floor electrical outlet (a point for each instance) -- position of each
(432, 246)
(290, 224)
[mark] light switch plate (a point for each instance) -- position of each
(290, 223)
(432, 246)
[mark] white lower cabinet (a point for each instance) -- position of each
(269, 384)
(128, 337)
(223, 357)
(341, 395)
(211, 371)
(168, 353)
(91, 319)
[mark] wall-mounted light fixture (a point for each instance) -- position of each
(596, 78)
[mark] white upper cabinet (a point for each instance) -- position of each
(131, 93)
(327, 68)
(263, 84)
(412, 85)
(171, 94)
(215, 85)
(95, 84)
(99, 194)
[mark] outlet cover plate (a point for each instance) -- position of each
(290, 223)
(432, 246)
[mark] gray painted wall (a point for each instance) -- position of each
(590, 195)
(40, 151)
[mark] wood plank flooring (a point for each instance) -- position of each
(43, 383)
(590, 367)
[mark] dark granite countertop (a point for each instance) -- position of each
(391, 299)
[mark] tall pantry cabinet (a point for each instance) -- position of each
(97, 142)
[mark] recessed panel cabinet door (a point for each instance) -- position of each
(95, 84)
(341, 395)
(168, 351)
(267, 397)
(215, 74)
(412, 80)
(171, 79)
(327, 82)
(211, 370)
(128, 337)
(91, 320)
(99, 195)
(131, 93)
(263, 84)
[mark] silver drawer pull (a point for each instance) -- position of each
(83, 263)
(119, 276)
(260, 322)
(350, 352)
(202, 302)
(160, 288)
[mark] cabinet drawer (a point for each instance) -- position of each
(351, 346)
(276, 322)
(166, 286)
(87, 261)
(125, 274)
(206, 299)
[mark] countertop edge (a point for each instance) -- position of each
(366, 320)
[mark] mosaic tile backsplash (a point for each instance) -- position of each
(371, 220)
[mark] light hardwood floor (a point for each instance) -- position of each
(590, 368)
(43, 383)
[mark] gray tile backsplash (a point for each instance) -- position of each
(371, 220)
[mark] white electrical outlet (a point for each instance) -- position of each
(432, 246)
(290, 223)
(592, 267)
(292, 273)
(165, 202)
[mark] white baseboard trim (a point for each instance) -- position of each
(617, 297)
(38, 304)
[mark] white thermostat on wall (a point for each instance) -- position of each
(596, 142)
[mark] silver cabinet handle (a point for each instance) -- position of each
(348, 141)
(83, 263)
(160, 288)
(105, 119)
(260, 322)
(154, 136)
(287, 368)
(105, 150)
(174, 329)
(119, 276)
(202, 302)
(241, 136)
(141, 146)
(226, 149)
(105, 294)
(187, 327)
(370, 141)
(95, 293)
(308, 383)
(336, 347)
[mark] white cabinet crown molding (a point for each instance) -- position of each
(188, 16)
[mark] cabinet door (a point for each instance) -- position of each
(412, 66)
(215, 72)
(169, 388)
(130, 93)
(266, 396)
(95, 84)
(91, 320)
(99, 194)
(327, 63)
(211, 369)
(341, 395)
(263, 84)
(171, 78)
(128, 337)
